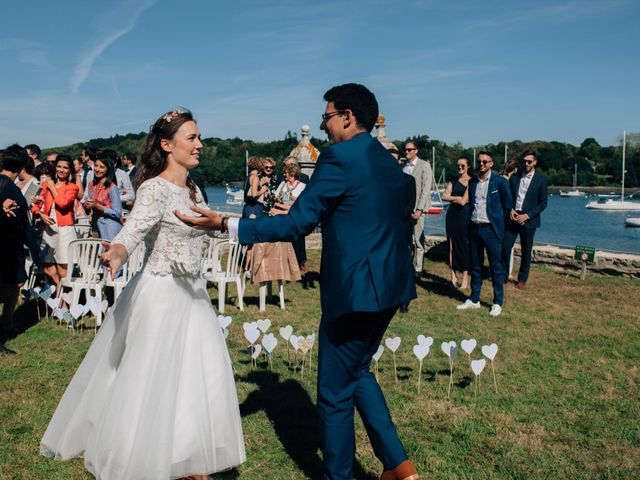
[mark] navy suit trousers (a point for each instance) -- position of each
(479, 240)
(526, 246)
(346, 346)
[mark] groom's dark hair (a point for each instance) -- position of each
(358, 99)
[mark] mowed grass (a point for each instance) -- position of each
(568, 401)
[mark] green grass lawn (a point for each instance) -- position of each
(568, 401)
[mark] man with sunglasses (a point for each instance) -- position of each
(490, 203)
(529, 191)
(357, 193)
(421, 171)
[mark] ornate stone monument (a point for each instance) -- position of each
(380, 133)
(305, 152)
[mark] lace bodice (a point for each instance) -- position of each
(172, 248)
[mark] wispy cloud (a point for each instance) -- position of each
(126, 15)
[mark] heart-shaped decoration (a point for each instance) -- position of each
(255, 351)
(224, 321)
(393, 343)
(450, 349)
(420, 351)
(67, 297)
(468, 345)
(263, 325)
(304, 344)
(422, 340)
(95, 305)
(294, 340)
(490, 351)
(77, 311)
(35, 291)
(53, 303)
(252, 334)
(69, 318)
(269, 342)
(379, 352)
(58, 312)
(47, 292)
(477, 366)
(312, 339)
(250, 325)
(285, 332)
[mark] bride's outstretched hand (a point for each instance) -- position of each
(206, 219)
(113, 257)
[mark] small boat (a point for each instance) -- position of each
(574, 192)
(437, 205)
(632, 222)
(235, 196)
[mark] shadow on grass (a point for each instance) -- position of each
(25, 317)
(294, 418)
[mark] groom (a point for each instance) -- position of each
(357, 193)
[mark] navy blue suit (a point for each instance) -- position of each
(489, 236)
(357, 194)
(535, 201)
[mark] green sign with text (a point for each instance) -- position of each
(585, 254)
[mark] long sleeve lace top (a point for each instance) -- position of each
(172, 248)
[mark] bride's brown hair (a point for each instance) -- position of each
(154, 158)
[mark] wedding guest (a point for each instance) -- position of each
(13, 228)
(34, 152)
(457, 222)
(509, 169)
(102, 198)
(27, 182)
(127, 193)
(529, 192)
(52, 157)
(269, 179)
(155, 397)
(254, 189)
(88, 155)
(489, 204)
(78, 167)
(54, 207)
(129, 162)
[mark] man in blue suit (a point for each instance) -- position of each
(529, 193)
(490, 202)
(357, 194)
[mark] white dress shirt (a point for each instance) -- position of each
(525, 181)
(479, 214)
(409, 166)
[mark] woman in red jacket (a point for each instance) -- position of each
(54, 206)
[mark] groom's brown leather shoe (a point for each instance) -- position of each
(404, 471)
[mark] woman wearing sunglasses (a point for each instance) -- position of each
(457, 222)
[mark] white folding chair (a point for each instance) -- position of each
(83, 272)
(132, 266)
(266, 288)
(233, 272)
(210, 262)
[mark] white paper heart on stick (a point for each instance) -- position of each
(255, 351)
(47, 292)
(67, 297)
(393, 343)
(379, 352)
(477, 366)
(312, 338)
(420, 351)
(468, 345)
(58, 312)
(304, 344)
(250, 326)
(69, 318)
(77, 311)
(294, 340)
(490, 351)
(53, 303)
(95, 305)
(450, 349)
(263, 325)
(224, 321)
(35, 291)
(285, 332)
(422, 340)
(269, 342)
(252, 334)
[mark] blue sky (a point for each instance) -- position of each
(468, 71)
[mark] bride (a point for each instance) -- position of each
(154, 398)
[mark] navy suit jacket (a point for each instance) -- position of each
(499, 201)
(535, 200)
(357, 193)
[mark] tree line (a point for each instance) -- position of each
(223, 160)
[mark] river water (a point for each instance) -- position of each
(565, 222)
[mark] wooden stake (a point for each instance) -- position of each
(419, 375)
(450, 377)
(495, 383)
(395, 372)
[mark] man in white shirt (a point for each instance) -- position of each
(421, 171)
(529, 191)
(490, 202)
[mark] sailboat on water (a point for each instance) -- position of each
(574, 192)
(617, 205)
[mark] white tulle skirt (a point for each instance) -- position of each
(154, 398)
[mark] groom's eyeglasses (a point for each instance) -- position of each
(327, 116)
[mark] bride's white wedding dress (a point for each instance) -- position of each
(154, 398)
